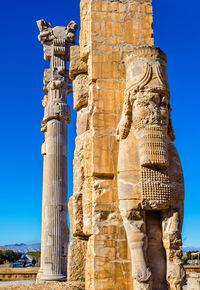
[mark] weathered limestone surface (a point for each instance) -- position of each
(193, 281)
(48, 286)
(56, 42)
(76, 260)
(127, 203)
(77, 65)
(18, 273)
(80, 93)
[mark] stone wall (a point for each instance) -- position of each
(109, 30)
(192, 269)
(18, 273)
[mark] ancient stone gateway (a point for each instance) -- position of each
(126, 211)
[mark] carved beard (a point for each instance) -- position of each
(153, 146)
(153, 154)
(150, 123)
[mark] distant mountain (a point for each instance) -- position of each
(191, 248)
(23, 248)
(18, 245)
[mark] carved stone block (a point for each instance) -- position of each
(76, 260)
(78, 214)
(87, 205)
(102, 157)
(77, 66)
(193, 281)
(83, 120)
(81, 90)
(71, 216)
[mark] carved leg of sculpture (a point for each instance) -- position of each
(156, 256)
(171, 226)
(134, 224)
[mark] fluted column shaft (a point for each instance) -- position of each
(55, 231)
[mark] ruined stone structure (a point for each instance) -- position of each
(126, 211)
(55, 236)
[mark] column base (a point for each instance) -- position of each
(39, 274)
(54, 277)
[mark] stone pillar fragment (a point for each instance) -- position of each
(109, 29)
(193, 281)
(78, 245)
(55, 234)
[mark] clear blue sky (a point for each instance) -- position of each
(176, 31)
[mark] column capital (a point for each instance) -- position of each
(56, 42)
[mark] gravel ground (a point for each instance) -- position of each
(32, 282)
(30, 285)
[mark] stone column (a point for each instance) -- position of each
(56, 42)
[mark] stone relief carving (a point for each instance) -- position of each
(147, 177)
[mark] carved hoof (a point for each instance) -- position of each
(142, 286)
(176, 275)
(141, 274)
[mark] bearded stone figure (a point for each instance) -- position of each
(150, 178)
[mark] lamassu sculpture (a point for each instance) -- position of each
(150, 178)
